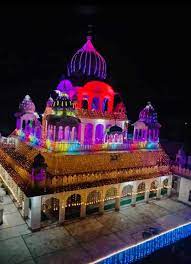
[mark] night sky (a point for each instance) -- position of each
(147, 49)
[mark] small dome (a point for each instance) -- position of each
(115, 130)
(66, 87)
(88, 61)
(148, 114)
(27, 105)
(50, 102)
(120, 108)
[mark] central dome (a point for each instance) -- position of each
(88, 62)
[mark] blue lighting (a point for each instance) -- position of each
(145, 248)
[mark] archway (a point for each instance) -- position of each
(99, 134)
(164, 187)
(126, 195)
(110, 197)
(50, 210)
(73, 206)
(95, 104)
(153, 189)
(140, 192)
(93, 201)
(23, 124)
(105, 105)
(88, 133)
(85, 104)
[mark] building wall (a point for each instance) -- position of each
(184, 191)
(90, 162)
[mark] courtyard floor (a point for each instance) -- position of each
(83, 241)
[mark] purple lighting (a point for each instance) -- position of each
(88, 61)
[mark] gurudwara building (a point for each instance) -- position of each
(79, 159)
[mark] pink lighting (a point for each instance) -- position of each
(88, 61)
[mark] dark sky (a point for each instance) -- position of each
(147, 49)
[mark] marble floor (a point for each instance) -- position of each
(85, 240)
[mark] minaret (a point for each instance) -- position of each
(48, 111)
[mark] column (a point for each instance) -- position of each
(90, 99)
(169, 186)
(93, 133)
(117, 204)
(158, 193)
(147, 192)
(101, 207)
(25, 207)
(133, 200)
(83, 210)
(82, 133)
(1, 213)
(61, 212)
(35, 213)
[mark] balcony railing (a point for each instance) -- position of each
(181, 171)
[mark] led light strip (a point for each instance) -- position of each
(139, 243)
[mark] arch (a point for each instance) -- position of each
(73, 206)
(110, 196)
(126, 194)
(50, 210)
(164, 188)
(99, 134)
(96, 103)
(153, 189)
(105, 105)
(141, 191)
(85, 104)
(23, 124)
(88, 134)
(93, 201)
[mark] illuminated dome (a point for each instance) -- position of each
(64, 112)
(65, 86)
(148, 114)
(27, 105)
(88, 61)
(50, 102)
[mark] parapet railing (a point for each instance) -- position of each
(180, 171)
(140, 250)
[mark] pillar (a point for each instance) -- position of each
(169, 186)
(90, 99)
(61, 212)
(133, 201)
(82, 133)
(1, 213)
(35, 213)
(147, 192)
(158, 193)
(101, 207)
(117, 204)
(25, 207)
(93, 133)
(83, 210)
